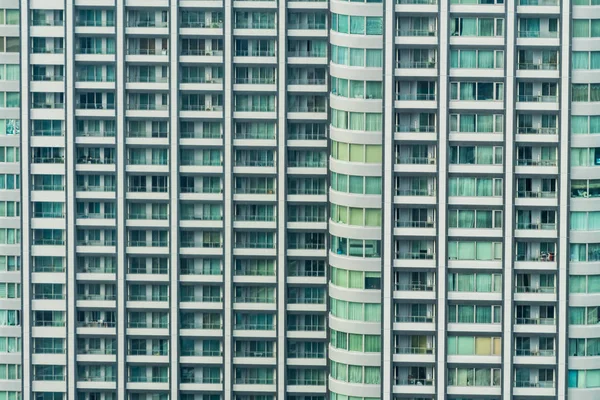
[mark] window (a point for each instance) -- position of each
(481, 251)
(486, 59)
(487, 27)
(356, 25)
(480, 91)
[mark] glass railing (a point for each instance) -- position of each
(48, 377)
(94, 23)
(201, 52)
(96, 188)
(542, 226)
(93, 269)
(147, 106)
(96, 324)
(148, 189)
(146, 24)
(205, 189)
(416, 32)
(537, 163)
(306, 300)
(146, 79)
(254, 163)
(48, 160)
(48, 268)
(416, 97)
(538, 289)
(250, 190)
(416, 1)
(535, 321)
(89, 242)
(537, 34)
(43, 104)
(47, 22)
(201, 380)
(103, 133)
(255, 25)
(307, 25)
(49, 323)
(201, 325)
(201, 24)
(201, 107)
(414, 381)
(201, 353)
(306, 381)
(538, 2)
(48, 242)
(415, 192)
(105, 351)
(106, 297)
(144, 297)
(414, 256)
(47, 132)
(95, 106)
(48, 214)
(45, 50)
(537, 99)
(306, 191)
(253, 299)
(306, 81)
(48, 350)
(414, 350)
(415, 224)
(200, 79)
(47, 78)
(415, 160)
(307, 135)
(93, 160)
(523, 130)
(95, 50)
(148, 243)
(152, 379)
(416, 64)
(307, 163)
(254, 381)
(147, 52)
(415, 318)
(534, 384)
(415, 287)
(255, 81)
(536, 195)
(538, 66)
(48, 296)
(307, 53)
(147, 325)
(306, 328)
(253, 245)
(254, 327)
(543, 257)
(534, 352)
(416, 128)
(206, 245)
(201, 299)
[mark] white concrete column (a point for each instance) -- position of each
(228, 268)
(387, 237)
(281, 132)
(442, 185)
(509, 185)
(174, 196)
(70, 198)
(121, 188)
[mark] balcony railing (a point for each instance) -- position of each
(415, 224)
(416, 32)
(534, 384)
(415, 192)
(535, 321)
(414, 350)
(415, 318)
(414, 256)
(536, 195)
(538, 66)
(523, 130)
(538, 289)
(417, 64)
(416, 97)
(534, 352)
(415, 287)
(537, 98)
(538, 2)
(536, 226)
(416, 128)
(48, 187)
(537, 163)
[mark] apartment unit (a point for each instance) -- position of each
(303, 200)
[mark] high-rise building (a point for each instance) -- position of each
(301, 199)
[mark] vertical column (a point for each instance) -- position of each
(70, 197)
(281, 199)
(442, 262)
(387, 235)
(121, 211)
(174, 197)
(120, 189)
(228, 201)
(25, 214)
(509, 185)
(563, 245)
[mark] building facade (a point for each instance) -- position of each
(304, 200)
